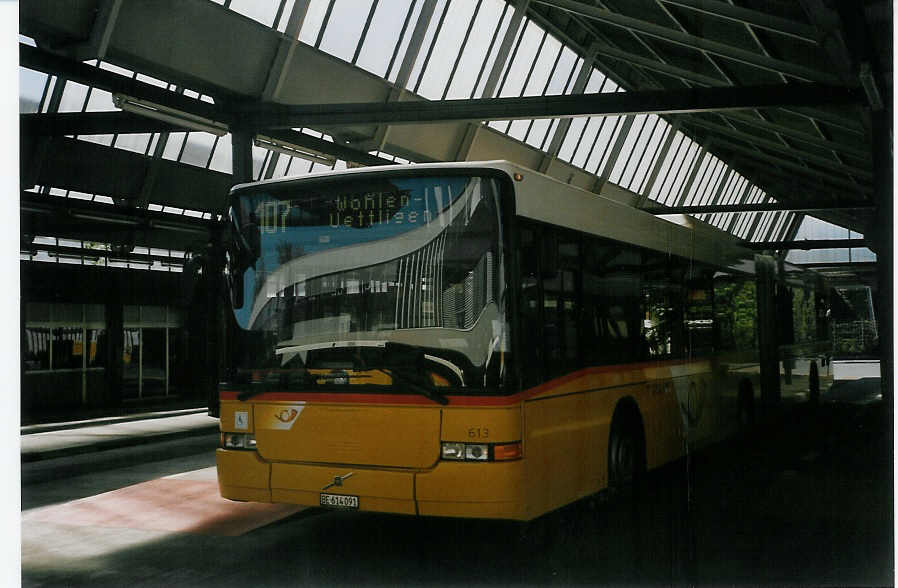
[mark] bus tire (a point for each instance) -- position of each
(746, 403)
(626, 450)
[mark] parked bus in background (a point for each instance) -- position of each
(470, 340)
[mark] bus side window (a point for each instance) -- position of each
(530, 355)
(561, 308)
(611, 323)
(663, 305)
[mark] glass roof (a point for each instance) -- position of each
(646, 155)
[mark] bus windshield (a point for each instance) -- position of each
(335, 281)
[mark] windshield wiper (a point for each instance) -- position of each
(428, 391)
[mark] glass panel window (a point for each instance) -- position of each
(472, 59)
(587, 140)
(575, 130)
(173, 145)
(99, 101)
(668, 169)
(285, 16)
(542, 69)
(36, 353)
(198, 148)
(494, 51)
(383, 34)
(643, 168)
(513, 84)
(558, 84)
(68, 348)
(153, 358)
(131, 363)
(447, 46)
(311, 26)
(425, 46)
(137, 143)
(344, 28)
(536, 134)
(262, 11)
(96, 347)
(73, 97)
(223, 158)
(31, 89)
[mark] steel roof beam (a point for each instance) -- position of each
(58, 124)
(108, 123)
(778, 161)
(686, 100)
(796, 135)
(694, 42)
(107, 214)
(761, 20)
(779, 147)
(806, 245)
(705, 80)
(768, 207)
(90, 75)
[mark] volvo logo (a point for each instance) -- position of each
(338, 481)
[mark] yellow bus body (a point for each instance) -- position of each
(391, 450)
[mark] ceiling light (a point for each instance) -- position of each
(169, 115)
(292, 150)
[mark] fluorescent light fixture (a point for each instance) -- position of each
(292, 150)
(169, 115)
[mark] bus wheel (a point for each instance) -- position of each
(626, 451)
(746, 403)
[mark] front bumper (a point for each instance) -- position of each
(456, 489)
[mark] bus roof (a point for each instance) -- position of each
(539, 197)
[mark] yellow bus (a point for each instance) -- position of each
(466, 340)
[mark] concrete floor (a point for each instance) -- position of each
(804, 500)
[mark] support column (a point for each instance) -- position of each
(884, 239)
(115, 346)
(765, 279)
(242, 155)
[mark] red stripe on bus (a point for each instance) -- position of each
(455, 400)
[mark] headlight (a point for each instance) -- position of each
(454, 451)
(238, 441)
(477, 452)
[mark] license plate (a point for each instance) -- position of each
(339, 501)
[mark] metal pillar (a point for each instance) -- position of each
(765, 276)
(242, 154)
(884, 239)
(115, 345)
